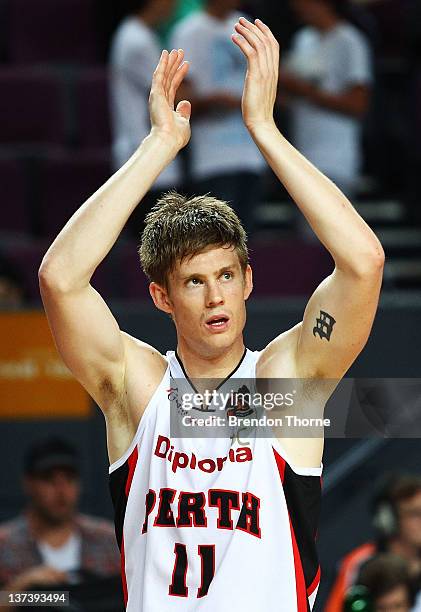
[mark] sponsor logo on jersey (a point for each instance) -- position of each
(241, 408)
(165, 450)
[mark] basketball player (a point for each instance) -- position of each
(209, 524)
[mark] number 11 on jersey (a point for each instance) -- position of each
(178, 585)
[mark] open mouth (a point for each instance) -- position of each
(217, 322)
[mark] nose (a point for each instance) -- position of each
(214, 295)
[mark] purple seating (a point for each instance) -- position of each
(92, 108)
(296, 268)
(26, 256)
(31, 109)
(63, 31)
(417, 107)
(15, 216)
(135, 285)
(4, 21)
(66, 180)
(391, 16)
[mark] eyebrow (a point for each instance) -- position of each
(218, 273)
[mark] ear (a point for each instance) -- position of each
(160, 298)
(248, 282)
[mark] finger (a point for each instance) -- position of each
(266, 31)
(253, 28)
(274, 45)
(159, 74)
(174, 68)
(171, 61)
(255, 42)
(184, 109)
(247, 49)
(176, 82)
(260, 36)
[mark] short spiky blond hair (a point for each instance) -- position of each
(179, 227)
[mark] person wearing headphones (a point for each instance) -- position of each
(397, 522)
(384, 584)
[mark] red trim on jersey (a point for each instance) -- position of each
(123, 572)
(302, 601)
(280, 462)
(313, 586)
(132, 460)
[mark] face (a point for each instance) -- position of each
(206, 299)
(396, 600)
(309, 11)
(409, 513)
(54, 496)
(228, 5)
(164, 8)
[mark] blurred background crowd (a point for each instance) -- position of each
(74, 82)
(74, 85)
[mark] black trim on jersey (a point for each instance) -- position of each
(303, 497)
(222, 383)
(117, 484)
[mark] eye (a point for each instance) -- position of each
(195, 282)
(227, 275)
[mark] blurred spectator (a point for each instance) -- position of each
(388, 582)
(12, 291)
(224, 159)
(397, 521)
(183, 9)
(135, 53)
(50, 542)
(327, 75)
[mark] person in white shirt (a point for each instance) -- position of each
(328, 75)
(135, 52)
(224, 158)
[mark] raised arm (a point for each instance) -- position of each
(86, 333)
(339, 315)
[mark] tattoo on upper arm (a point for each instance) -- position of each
(324, 325)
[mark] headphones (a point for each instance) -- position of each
(384, 512)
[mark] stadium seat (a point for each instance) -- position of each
(66, 180)
(391, 16)
(298, 268)
(46, 31)
(92, 108)
(26, 256)
(135, 285)
(417, 139)
(4, 22)
(13, 180)
(31, 109)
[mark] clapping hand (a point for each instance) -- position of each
(171, 123)
(261, 49)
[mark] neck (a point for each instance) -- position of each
(329, 22)
(148, 16)
(42, 529)
(218, 365)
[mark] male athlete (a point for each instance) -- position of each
(209, 524)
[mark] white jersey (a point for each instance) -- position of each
(212, 524)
